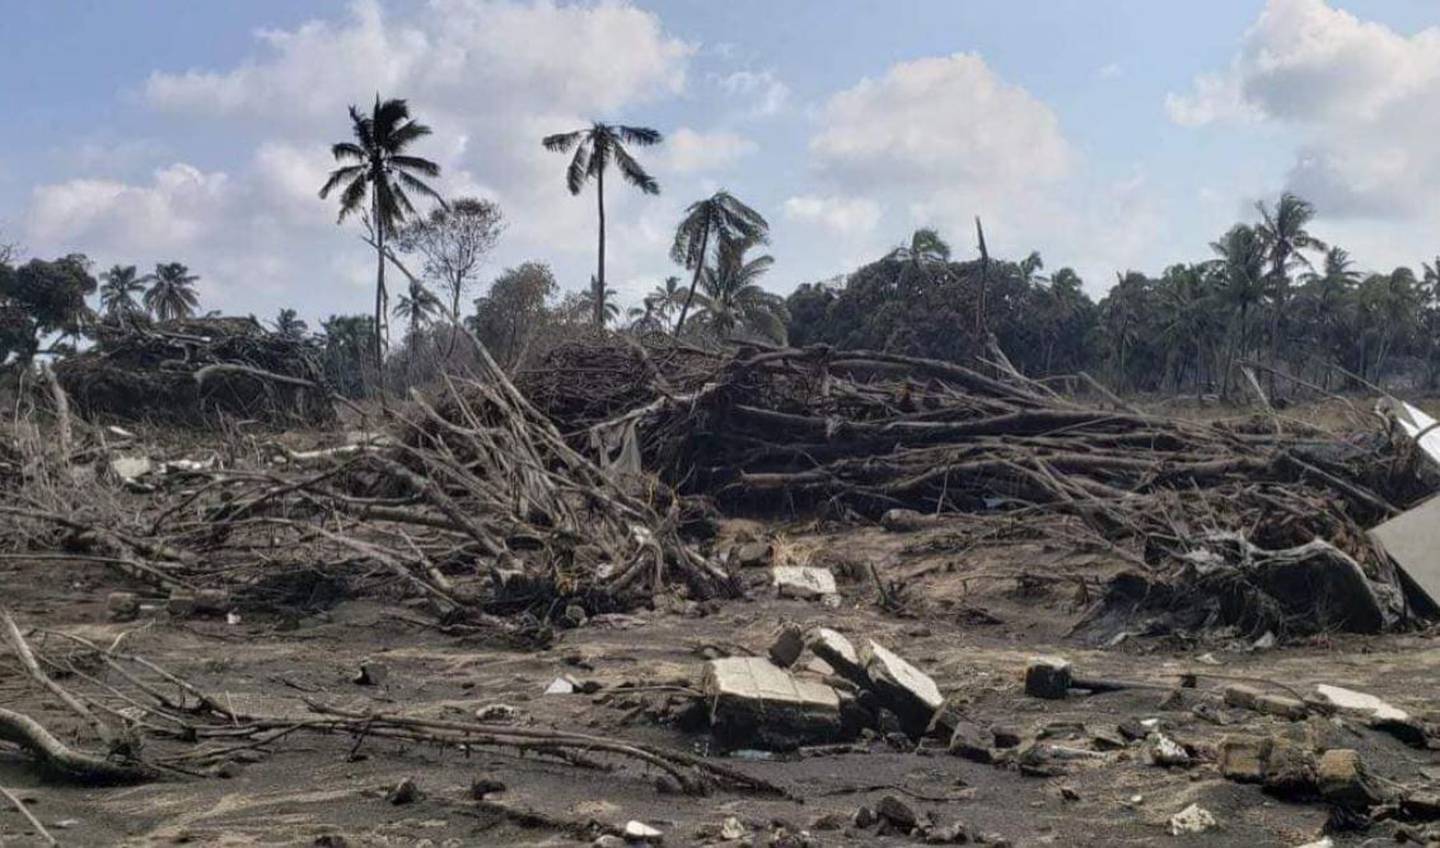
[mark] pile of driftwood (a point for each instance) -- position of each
(1257, 524)
(191, 371)
(473, 500)
(585, 381)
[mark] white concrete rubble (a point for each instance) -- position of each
(802, 581)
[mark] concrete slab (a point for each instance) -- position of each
(838, 653)
(799, 581)
(756, 704)
(1360, 703)
(1412, 539)
(905, 689)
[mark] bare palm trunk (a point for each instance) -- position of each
(599, 293)
(694, 281)
(379, 293)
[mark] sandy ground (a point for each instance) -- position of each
(971, 623)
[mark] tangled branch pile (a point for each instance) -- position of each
(475, 502)
(189, 371)
(862, 433)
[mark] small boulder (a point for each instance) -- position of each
(1047, 677)
(789, 643)
(638, 831)
(1192, 819)
(1343, 780)
(404, 792)
(898, 813)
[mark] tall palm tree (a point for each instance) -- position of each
(733, 299)
(289, 324)
(1241, 267)
(376, 169)
(172, 292)
(594, 149)
(708, 224)
(1284, 235)
(121, 292)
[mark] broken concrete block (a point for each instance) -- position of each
(901, 686)
(802, 581)
(562, 685)
(1192, 819)
(1289, 769)
(755, 704)
(1342, 779)
(1282, 706)
(970, 742)
(129, 468)
(788, 645)
(636, 831)
(1243, 758)
(1241, 696)
(1047, 677)
(1359, 703)
(838, 653)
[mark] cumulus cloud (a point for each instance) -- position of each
(490, 76)
(947, 120)
(847, 216)
(1364, 98)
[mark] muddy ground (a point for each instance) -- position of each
(971, 620)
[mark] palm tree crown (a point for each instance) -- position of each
(733, 299)
(172, 292)
(376, 167)
(708, 225)
(121, 292)
(595, 148)
(289, 324)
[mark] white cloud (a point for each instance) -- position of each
(687, 150)
(764, 93)
(1364, 99)
(941, 121)
(847, 216)
(490, 76)
(1110, 71)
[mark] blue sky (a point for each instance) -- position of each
(1107, 134)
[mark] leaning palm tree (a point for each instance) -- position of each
(733, 299)
(708, 224)
(594, 149)
(121, 292)
(377, 170)
(289, 324)
(172, 292)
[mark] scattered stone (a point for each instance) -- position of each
(1342, 779)
(1133, 729)
(1243, 758)
(482, 786)
(751, 554)
(130, 468)
(608, 840)
(970, 742)
(802, 581)
(497, 713)
(1069, 793)
(865, 817)
(788, 645)
(754, 703)
(1192, 819)
(1006, 736)
(637, 831)
(901, 686)
(1104, 740)
(1241, 696)
(575, 615)
(404, 792)
(897, 813)
(1047, 677)
(1166, 752)
(1264, 643)
(122, 606)
(372, 674)
(562, 685)
(732, 829)
(954, 833)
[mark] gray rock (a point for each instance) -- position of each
(755, 704)
(788, 645)
(800, 581)
(901, 686)
(1047, 677)
(897, 813)
(404, 792)
(1343, 780)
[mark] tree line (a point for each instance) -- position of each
(1271, 296)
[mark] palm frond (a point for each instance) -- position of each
(338, 176)
(640, 136)
(634, 173)
(561, 142)
(346, 150)
(401, 137)
(416, 163)
(579, 167)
